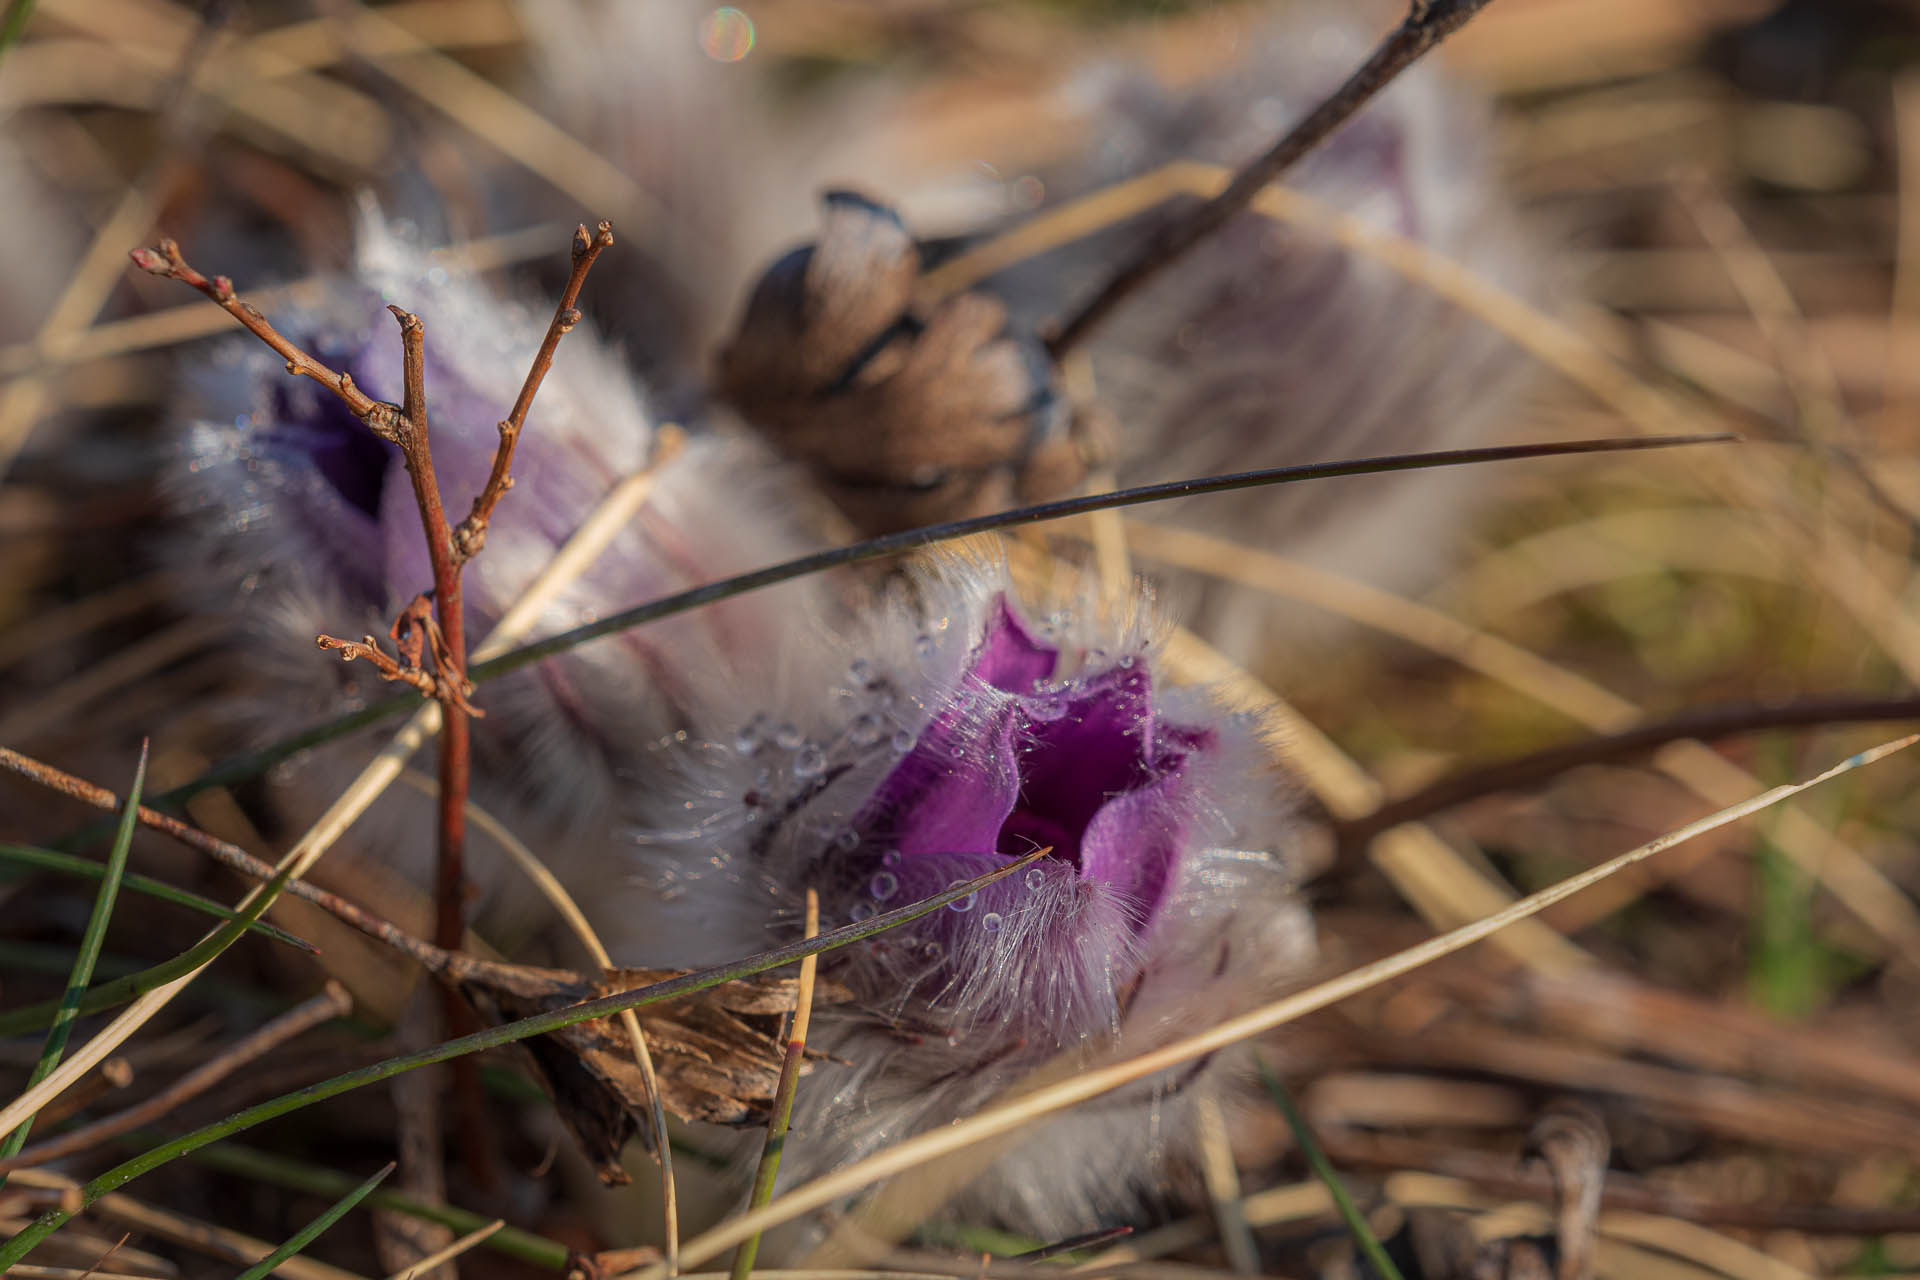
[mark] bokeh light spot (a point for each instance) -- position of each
(726, 34)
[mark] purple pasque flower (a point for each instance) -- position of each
(956, 730)
(1019, 760)
(300, 522)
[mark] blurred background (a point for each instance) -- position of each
(1664, 216)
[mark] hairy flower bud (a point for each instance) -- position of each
(307, 523)
(968, 730)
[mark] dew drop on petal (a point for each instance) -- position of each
(925, 645)
(1035, 878)
(787, 736)
(1126, 660)
(866, 729)
(884, 885)
(751, 735)
(862, 911)
(962, 905)
(932, 950)
(810, 763)
(891, 858)
(861, 673)
(847, 841)
(991, 922)
(902, 742)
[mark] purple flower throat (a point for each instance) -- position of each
(1019, 760)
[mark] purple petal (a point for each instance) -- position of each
(1010, 656)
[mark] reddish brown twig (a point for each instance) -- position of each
(1427, 23)
(406, 426)
(369, 648)
(330, 1004)
(471, 535)
(413, 632)
(166, 261)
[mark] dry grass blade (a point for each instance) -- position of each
(452, 1251)
(332, 1003)
(1860, 886)
(1090, 1084)
(1441, 885)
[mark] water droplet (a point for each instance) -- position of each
(847, 841)
(862, 911)
(1126, 660)
(891, 858)
(902, 742)
(1035, 878)
(861, 673)
(884, 885)
(810, 762)
(865, 730)
(932, 950)
(925, 645)
(788, 736)
(962, 905)
(751, 735)
(991, 922)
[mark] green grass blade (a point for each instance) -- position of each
(491, 1038)
(14, 24)
(262, 1166)
(307, 1234)
(121, 990)
(1356, 1222)
(67, 1008)
(87, 869)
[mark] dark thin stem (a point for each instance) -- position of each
(256, 763)
(915, 539)
(471, 535)
(1427, 23)
(331, 1003)
(1543, 766)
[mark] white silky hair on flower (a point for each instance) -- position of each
(961, 729)
(728, 167)
(1268, 344)
(301, 522)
